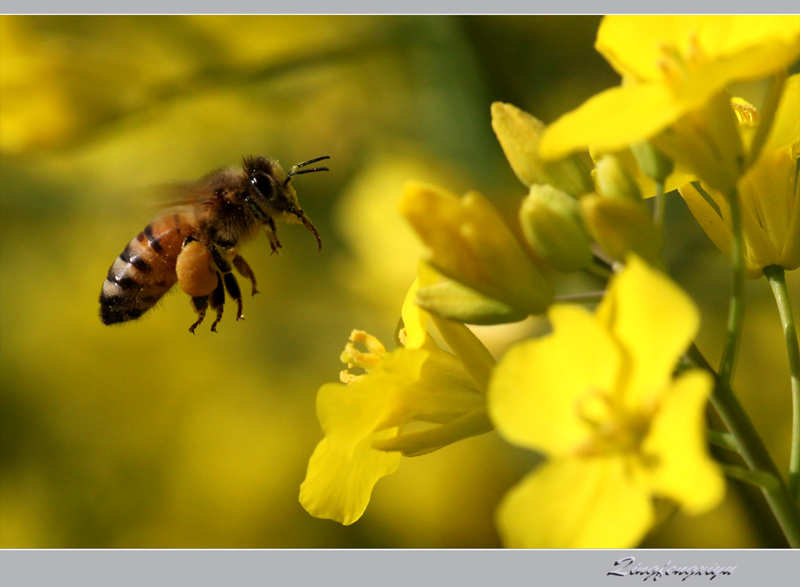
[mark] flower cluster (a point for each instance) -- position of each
(609, 398)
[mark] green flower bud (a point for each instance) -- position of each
(621, 226)
(552, 224)
(450, 299)
(614, 181)
(653, 163)
(519, 134)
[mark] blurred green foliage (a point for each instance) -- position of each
(146, 436)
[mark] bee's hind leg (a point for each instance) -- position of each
(233, 289)
(217, 301)
(200, 305)
(244, 270)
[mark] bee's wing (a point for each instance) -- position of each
(201, 191)
(181, 194)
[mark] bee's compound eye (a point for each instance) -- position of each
(263, 184)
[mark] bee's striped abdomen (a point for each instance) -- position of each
(144, 271)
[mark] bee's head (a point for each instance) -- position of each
(270, 194)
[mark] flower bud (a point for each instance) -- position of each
(614, 181)
(621, 226)
(450, 299)
(519, 134)
(469, 242)
(552, 224)
(653, 163)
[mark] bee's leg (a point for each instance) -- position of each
(219, 260)
(272, 235)
(233, 289)
(200, 305)
(244, 269)
(217, 300)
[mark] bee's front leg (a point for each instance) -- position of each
(272, 235)
(244, 269)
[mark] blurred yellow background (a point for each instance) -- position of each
(143, 435)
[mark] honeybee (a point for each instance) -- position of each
(195, 243)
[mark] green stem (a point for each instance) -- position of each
(736, 306)
(777, 282)
(755, 454)
(761, 480)
(661, 205)
(722, 440)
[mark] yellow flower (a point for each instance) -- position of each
(364, 417)
(598, 399)
(675, 70)
(468, 241)
(769, 192)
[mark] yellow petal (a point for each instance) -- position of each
(577, 503)
(415, 319)
(769, 213)
(767, 191)
(766, 196)
(537, 388)
(750, 46)
(790, 256)
(612, 120)
(684, 470)
(340, 477)
(674, 66)
(786, 125)
(654, 320)
(383, 398)
(632, 44)
(708, 218)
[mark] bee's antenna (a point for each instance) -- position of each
(296, 170)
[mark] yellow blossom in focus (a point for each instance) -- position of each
(364, 417)
(769, 192)
(597, 397)
(675, 71)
